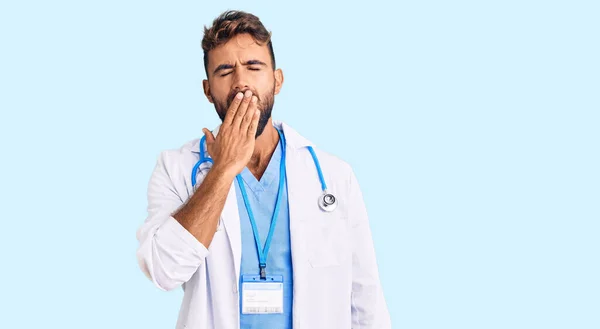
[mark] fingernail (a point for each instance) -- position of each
(254, 99)
(239, 95)
(248, 93)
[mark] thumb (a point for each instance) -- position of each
(209, 136)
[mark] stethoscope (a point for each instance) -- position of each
(326, 201)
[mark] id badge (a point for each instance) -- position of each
(262, 296)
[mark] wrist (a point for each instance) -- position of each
(224, 171)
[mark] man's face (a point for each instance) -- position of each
(239, 65)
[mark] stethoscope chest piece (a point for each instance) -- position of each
(327, 202)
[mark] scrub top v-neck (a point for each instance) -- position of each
(262, 197)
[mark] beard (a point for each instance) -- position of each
(264, 104)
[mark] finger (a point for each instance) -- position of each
(210, 141)
(254, 124)
(232, 110)
(242, 109)
(249, 114)
(210, 138)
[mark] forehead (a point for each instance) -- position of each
(241, 47)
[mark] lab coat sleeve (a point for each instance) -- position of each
(168, 254)
(369, 308)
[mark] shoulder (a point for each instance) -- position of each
(333, 167)
(173, 169)
(337, 173)
(332, 161)
(176, 160)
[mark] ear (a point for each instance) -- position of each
(206, 88)
(278, 80)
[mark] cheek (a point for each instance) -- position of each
(265, 81)
(265, 85)
(219, 94)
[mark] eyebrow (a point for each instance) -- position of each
(229, 66)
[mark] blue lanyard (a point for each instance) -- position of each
(262, 253)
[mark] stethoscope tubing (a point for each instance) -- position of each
(327, 201)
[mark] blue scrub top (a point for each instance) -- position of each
(262, 196)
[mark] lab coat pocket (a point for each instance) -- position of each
(328, 244)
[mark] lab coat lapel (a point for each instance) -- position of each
(231, 220)
(297, 198)
(296, 174)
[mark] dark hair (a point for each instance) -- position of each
(230, 24)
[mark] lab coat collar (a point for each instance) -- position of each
(292, 138)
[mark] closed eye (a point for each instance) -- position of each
(250, 68)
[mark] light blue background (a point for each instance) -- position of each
(473, 128)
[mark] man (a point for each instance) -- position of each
(240, 221)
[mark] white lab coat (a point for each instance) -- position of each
(336, 279)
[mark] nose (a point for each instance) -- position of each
(240, 80)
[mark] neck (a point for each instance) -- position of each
(263, 149)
